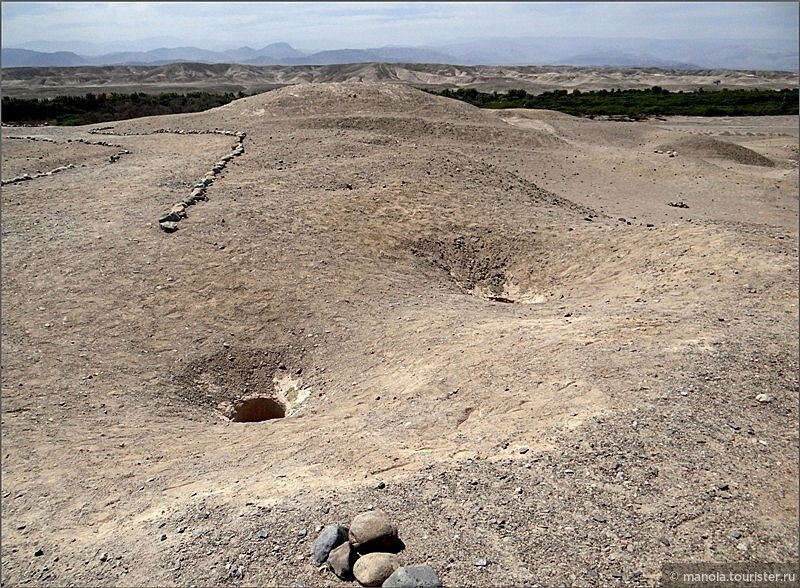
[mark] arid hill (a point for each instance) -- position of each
(552, 352)
(27, 82)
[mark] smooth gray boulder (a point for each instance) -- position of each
(422, 576)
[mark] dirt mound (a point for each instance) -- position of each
(349, 97)
(422, 127)
(709, 147)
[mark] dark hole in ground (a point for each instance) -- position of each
(500, 299)
(256, 410)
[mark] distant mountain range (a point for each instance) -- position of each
(771, 55)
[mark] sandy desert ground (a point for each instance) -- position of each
(535, 341)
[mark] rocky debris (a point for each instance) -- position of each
(765, 398)
(373, 569)
(168, 226)
(341, 560)
(332, 536)
(372, 531)
(26, 177)
(670, 152)
(22, 178)
(367, 551)
(413, 577)
(198, 192)
(115, 157)
(173, 217)
(678, 204)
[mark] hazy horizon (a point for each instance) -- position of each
(316, 26)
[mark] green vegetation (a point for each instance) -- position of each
(96, 108)
(638, 104)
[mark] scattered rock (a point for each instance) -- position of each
(480, 562)
(523, 450)
(341, 560)
(332, 536)
(373, 569)
(765, 398)
(168, 226)
(413, 577)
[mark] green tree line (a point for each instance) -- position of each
(655, 101)
(97, 108)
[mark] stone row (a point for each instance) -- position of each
(84, 141)
(100, 131)
(25, 177)
(29, 138)
(169, 222)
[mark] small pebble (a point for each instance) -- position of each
(480, 562)
(523, 450)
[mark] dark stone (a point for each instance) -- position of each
(341, 560)
(330, 537)
(168, 227)
(413, 577)
(171, 217)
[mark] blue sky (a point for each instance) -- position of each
(356, 25)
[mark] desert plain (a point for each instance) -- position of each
(555, 351)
